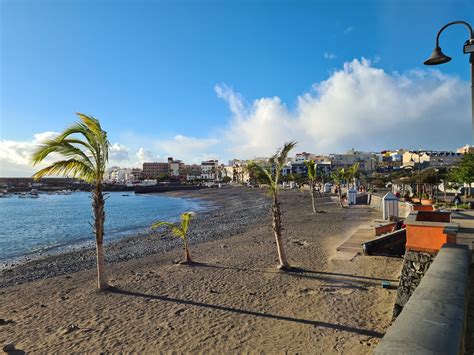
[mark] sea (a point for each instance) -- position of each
(50, 223)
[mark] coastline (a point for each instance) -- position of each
(214, 220)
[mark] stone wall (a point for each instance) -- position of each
(415, 266)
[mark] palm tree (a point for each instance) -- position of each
(353, 173)
(338, 176)
(312, 176)
(271, 176)
(86, 158)
(179, 231)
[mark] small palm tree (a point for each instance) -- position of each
(86, 158)
(312, 176)
(271, 176)
(180, 231)
(338, 176)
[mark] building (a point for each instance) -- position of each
(191, 172)
(239, 172)
(466, 149)
(154, 170)
(367, 161)
(210, 170)
(388, 160)
(432, 159)
(302, 157)
(175, 168)
(136, 174)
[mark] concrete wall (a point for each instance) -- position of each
(432, 321)
(375, 201)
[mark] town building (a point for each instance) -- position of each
(389, 160)
(175, 168)
(136, 174)
(466, 149)
(432, 159)
(155, 170)
(191, 172)
(367, 161)
(210, 170)
(239, 172)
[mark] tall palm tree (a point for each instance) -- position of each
(338, 176)
(85, 149)
(271, 176)
(312, 176)
(180, 231)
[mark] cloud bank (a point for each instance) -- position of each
(358, 106)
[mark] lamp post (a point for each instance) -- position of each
(438, 57)
(419, 172)
(436, 195)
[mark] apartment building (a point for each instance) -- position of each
(210, 170)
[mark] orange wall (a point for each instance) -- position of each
(427, 238)
(386, 228)
(423, 208)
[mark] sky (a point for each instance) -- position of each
(232, 79)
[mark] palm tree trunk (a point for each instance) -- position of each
(313, 193)
(284, 265)
(187, 256)
(98, 205)
(339, 193)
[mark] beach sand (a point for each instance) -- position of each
(233, 301)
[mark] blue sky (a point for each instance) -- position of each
(149, 70)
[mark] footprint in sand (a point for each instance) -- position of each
(339, 291)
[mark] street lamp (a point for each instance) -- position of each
(438, 57)
(419, 172)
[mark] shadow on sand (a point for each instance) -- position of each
(314, 323)
(305, 273)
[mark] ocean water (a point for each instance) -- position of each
(52, 222)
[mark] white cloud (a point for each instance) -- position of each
(329, 56)
(15, 156)
(359, 106)
(145, 155)
(118, 154)
(189, 148)
(348, 30)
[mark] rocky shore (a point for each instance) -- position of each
(229, 211)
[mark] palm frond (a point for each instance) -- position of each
(311, 166)
(62, 147)
(283, 153)
(177, 232)
(71, 167)
(85, 158)
(262, 174)
(185, 219)
(162, 224)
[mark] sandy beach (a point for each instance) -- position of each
(234, 300)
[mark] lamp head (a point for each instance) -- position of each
(437, 57)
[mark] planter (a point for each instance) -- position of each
(426, 202)
(415, 200)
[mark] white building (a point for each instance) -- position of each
(210, 170)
